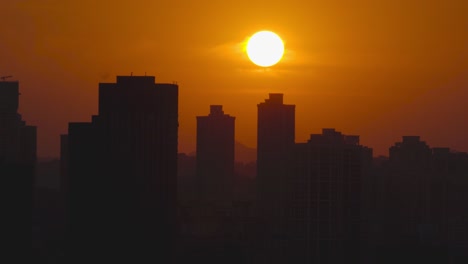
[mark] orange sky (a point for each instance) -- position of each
(379, 69)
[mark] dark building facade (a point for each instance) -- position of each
(122, 174)
(17, 140)
(215, 156)
(452, 169)
(309, 195)
(325, 198)
(275, 141)
(423, 205)
(406, 203)
(408, 185)
(17, 166)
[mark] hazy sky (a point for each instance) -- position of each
(379, 69)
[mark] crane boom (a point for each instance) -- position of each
(5, 77)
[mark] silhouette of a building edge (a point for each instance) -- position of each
(121, 174)
(215, 156)
(17, 170)
(308, 194)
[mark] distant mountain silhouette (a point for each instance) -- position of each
(242, 153)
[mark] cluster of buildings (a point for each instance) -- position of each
(129, 196)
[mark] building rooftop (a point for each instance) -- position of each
(275, 98)
(216, 110)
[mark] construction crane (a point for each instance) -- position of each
(5, 77)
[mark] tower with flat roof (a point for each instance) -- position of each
(215, 155)
(17, 170)
(275, 141)
(122, 169)
(326, 197)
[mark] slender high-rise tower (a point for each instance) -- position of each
(17, 166)
(275, 141)
(215, 156)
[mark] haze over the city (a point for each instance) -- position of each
(378, 69)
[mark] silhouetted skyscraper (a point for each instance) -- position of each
(275, 140)
(407, 185)
(215, 155)
(17, 140)
(415, 185)
(325, 208)
(123, 173)
(450, 199)
(17, 165)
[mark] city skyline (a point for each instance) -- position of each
(336, 133)
(190, 150)
(376, 69)
(123, 195)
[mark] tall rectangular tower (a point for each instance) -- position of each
(10, 121)
(122, 170)
(17, 169)
(325, 207)
(215, 155)
(275, 139)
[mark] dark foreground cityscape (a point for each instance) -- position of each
(121, 193)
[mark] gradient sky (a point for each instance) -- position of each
(379, 69)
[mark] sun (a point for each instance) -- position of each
(265, 48)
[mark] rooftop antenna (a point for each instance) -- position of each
(5, 77)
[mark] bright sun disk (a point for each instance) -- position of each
(265, 48)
